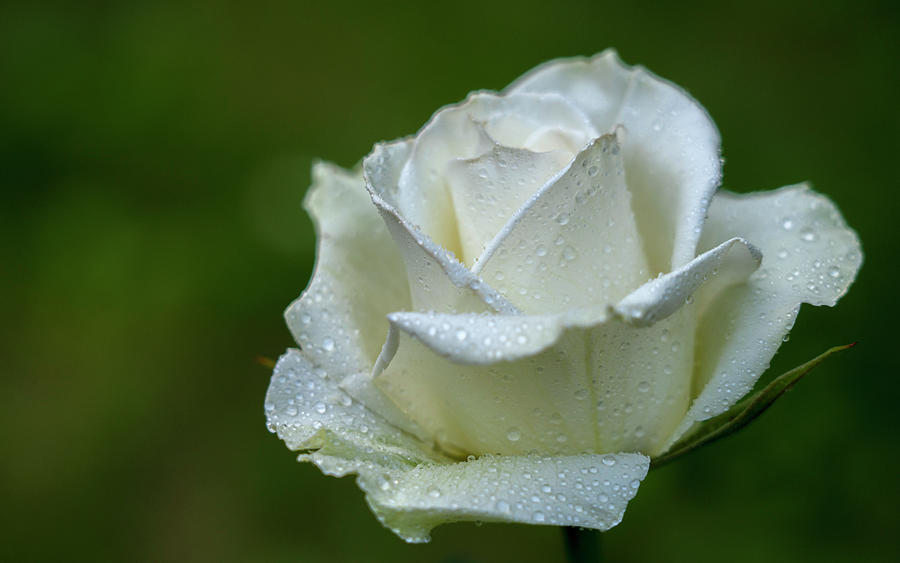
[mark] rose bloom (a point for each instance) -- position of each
(515, 309)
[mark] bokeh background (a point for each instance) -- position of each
(153, 159)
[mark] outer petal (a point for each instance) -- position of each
(339, 320)
(589, 491)
(411, 489)
(438, 281)
(810, 256)
(312, 413)
(671, 152)
(574, 243)
(506, 407)
(543, 383)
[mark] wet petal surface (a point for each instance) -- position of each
(671, 146)
(411, 488)
(810, 255)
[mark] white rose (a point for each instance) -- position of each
(547, 292)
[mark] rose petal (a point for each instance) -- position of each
(489, 189)
(412, 179)
(810, 255)
(339, 320)
(483, 339)
(411, 488)
(509, 408)
(527, 121)
(559, 384)
(671, 149)
(574, 243)
(589, 491)
(731, 262)
(310, 412)
(437, 280)
(616, 385)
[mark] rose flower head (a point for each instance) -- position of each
(517, 308)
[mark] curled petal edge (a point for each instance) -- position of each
(463, 338)
(409, 236)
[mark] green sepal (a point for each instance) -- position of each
(743, 413)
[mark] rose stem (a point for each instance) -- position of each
(582, 545)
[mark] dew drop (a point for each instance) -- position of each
(593, 170)
(562, 218)
(328, 344)
(320, 407)
(538, 516)
(808, 235)
(513, 434)
(433, 491)
(643, 386)
(461, 334)
(608, 459)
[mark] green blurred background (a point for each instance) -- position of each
(153, 158)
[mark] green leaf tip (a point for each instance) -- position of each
(743, 413)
